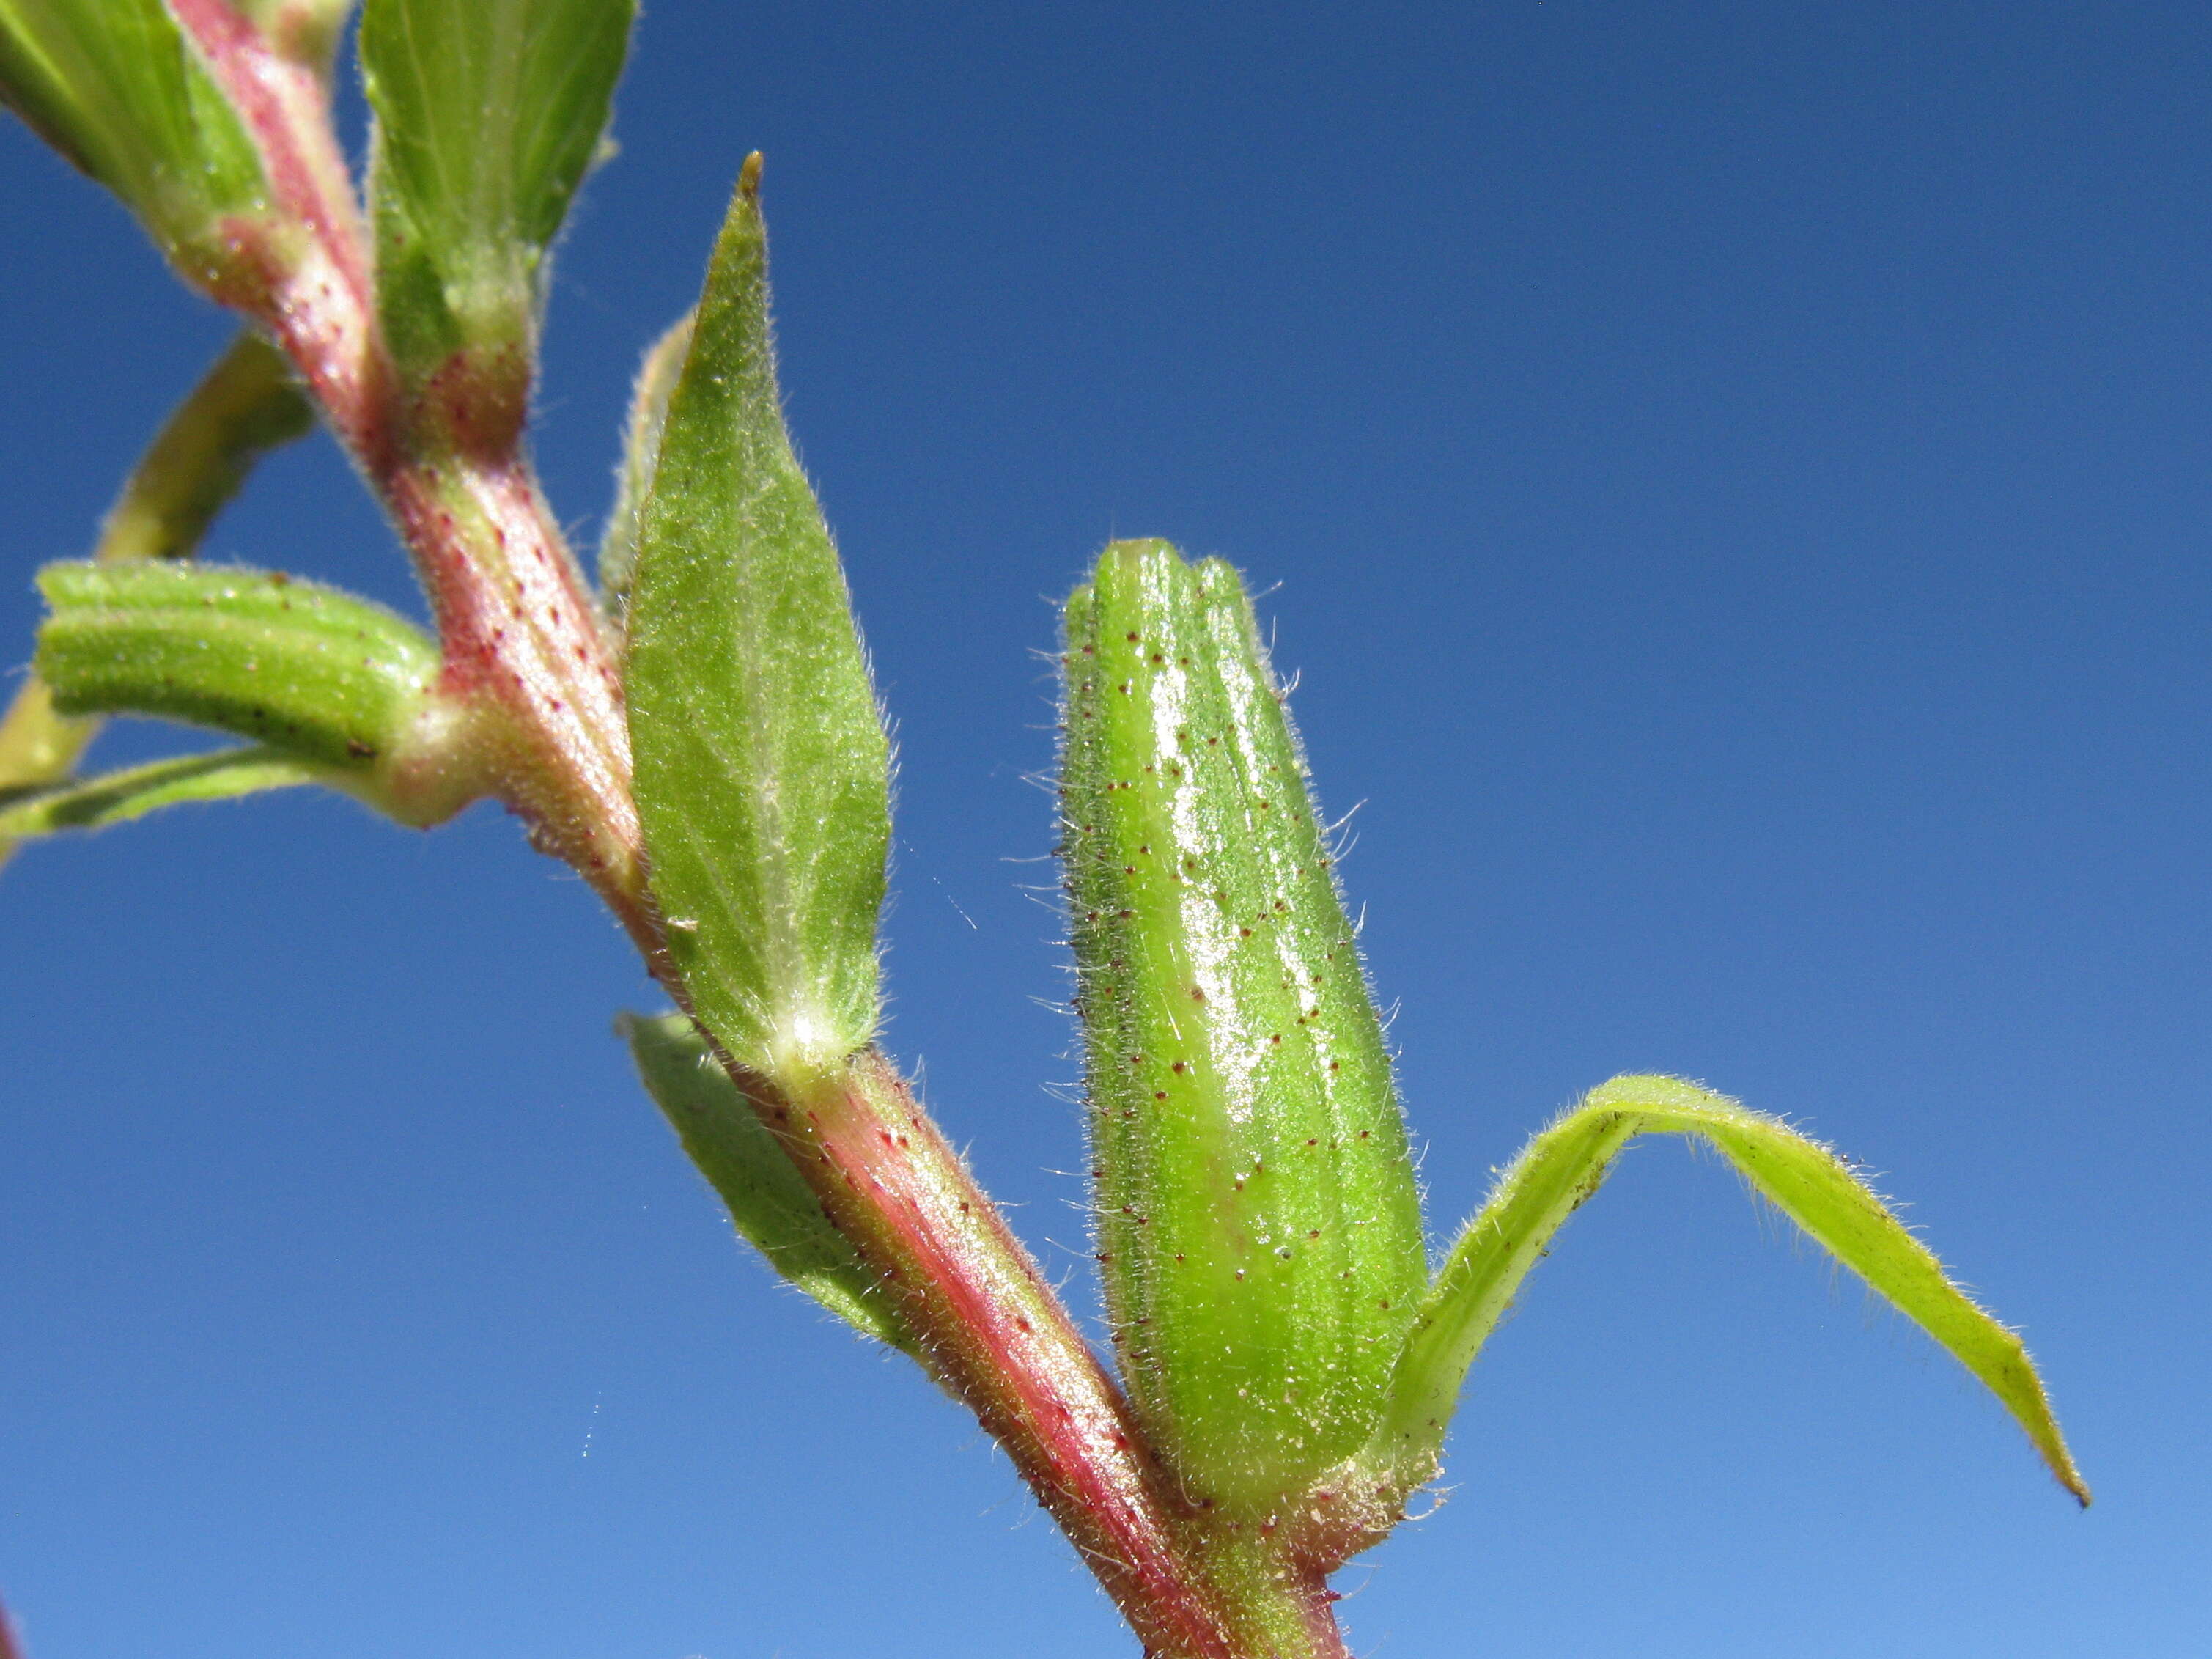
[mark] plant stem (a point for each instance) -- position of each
(521, 634)
(1282, 1607)
(522, 640)
(997, 1338)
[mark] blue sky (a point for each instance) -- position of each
(1733, 482)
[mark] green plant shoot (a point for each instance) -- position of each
(700, 740)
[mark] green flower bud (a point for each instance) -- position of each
(311, 673)
(1258, 1226)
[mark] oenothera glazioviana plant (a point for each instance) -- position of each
(696, 734)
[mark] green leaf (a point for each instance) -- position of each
(118, 797)
(1257, 1224)
(763, 772)
(1562, 1167)
(769, 1201)
(246, 405)
(487, 115)
(648, 413)
(114, 85)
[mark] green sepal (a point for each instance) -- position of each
(316, 674)
(487, 115)
(648, 414)
(114, 86)
(1562, 1167)
(763, 773)
(769, 1201)
(118, 797)
(1258, 1227)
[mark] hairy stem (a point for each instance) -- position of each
(520, 633)
(997, 1338)
(522, 639)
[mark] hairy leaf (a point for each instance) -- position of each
(487, 115)
(1562, 1167)
(118, 797)
(114, 85)
(769, 1203)
(762, 771)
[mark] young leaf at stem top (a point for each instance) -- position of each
(762, 771)
(648, 413)
(113, 86)
(487, 115)
(1563, 1166)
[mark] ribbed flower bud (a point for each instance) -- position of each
(1258, 1227)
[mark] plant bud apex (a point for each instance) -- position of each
(1257, 1226)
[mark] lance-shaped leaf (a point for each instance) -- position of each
(318, 675)
(769, 1202)
(1562, 1167)
(487, 115)
(114, 85)
(118, 797)
(648, 413)
(1258, 1228)
(246, 405)
(762, 771)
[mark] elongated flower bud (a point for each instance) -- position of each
(314, 673)
(1257, 1224)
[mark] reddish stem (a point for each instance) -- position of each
(320, 303)
(1001, 1342)
(522, 640)
(520, 633)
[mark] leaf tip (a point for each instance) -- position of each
(749, 177)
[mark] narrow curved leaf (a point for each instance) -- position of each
(1563, 1166)
(118, 797)
(769, 1201)
(489, 113)
(762, 771)
(246, 405)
